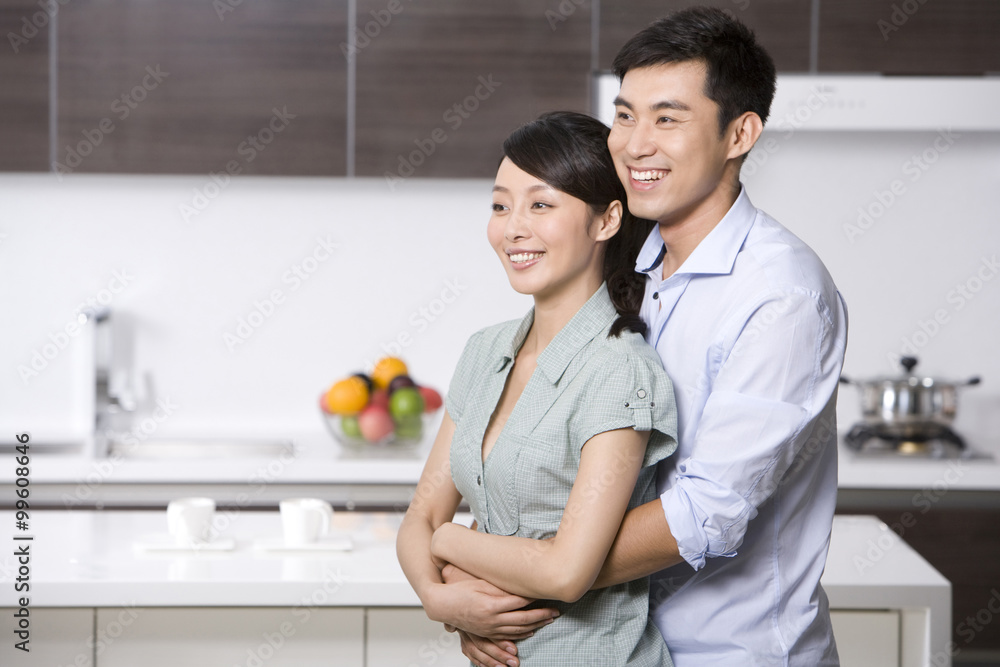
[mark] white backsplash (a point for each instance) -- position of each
(412, 273)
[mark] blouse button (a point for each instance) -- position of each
(479, 480)
(641, 393)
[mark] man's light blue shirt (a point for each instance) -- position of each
(752, 332)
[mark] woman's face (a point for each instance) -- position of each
(548, 241)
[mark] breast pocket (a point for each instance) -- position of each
(500, 473)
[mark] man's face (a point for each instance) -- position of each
(666, 145)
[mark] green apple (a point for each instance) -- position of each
(406, 402)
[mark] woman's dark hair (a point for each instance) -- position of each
(569, 151)
(741, 75)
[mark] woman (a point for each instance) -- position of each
(553, 422)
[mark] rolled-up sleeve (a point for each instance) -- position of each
(779, 364)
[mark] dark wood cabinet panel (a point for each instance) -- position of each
(24, 95)
(909, 36)
(782, 26)
(189, 86)
(440, 85)
(964, 546)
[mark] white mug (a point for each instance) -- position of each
(305, 520)
(189, 520)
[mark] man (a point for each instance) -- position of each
(752, 331)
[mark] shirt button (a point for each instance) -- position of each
(479, 480)
(656, 295)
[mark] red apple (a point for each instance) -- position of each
(380, 397)
(375, 423)
(432, 399)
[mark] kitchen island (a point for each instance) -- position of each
(96, 599)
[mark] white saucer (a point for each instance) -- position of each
(168, 543)
(325, 544)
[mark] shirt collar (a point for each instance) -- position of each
(716, 253)
(591, 320)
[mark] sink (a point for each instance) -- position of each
(200, 448)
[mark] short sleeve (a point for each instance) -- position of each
(462, 378)
(630, 389)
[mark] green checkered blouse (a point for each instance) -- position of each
(584, 384)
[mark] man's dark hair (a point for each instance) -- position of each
(740, 73)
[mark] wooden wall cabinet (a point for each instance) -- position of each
(442, 84)
(24, 93)
(188, 86)
(400, 89)
(909, 37)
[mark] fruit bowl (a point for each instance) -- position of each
(386, 410)
(404, 437)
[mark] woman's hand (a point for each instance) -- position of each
(481, 608)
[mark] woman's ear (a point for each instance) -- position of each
(609, 222)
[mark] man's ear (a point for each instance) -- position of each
(744, 132)
(610, 222)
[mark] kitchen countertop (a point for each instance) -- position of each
(386, 479)
(88, 559)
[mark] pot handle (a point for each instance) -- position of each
(908, 363)
(973, 381)
(846, 380)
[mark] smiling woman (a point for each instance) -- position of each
(553, 422)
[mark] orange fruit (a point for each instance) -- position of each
(347, 397)
(386, 370)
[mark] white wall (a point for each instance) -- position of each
(189, 283)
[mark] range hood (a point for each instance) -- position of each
(809, 102)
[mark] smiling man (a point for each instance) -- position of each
(752, 331)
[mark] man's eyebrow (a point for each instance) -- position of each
(670, 104)
(620, 102)
(659, 106)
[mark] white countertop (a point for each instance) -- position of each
(319, 460)
(88, 559)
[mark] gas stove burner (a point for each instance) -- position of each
(928, 440)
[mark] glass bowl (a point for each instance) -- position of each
(407, 438)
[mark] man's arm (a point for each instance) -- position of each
(644, 545)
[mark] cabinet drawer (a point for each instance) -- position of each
(867, 638)
(403, 637)
(56, 637)
(210, 637)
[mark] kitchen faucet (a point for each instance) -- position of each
(110, 400)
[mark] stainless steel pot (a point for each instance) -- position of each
(910, 405)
